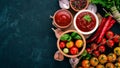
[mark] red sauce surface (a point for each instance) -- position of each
(63, 18)
(84, 25)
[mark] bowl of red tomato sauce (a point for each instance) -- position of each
(62, 18)
(86, 22)
(78, 5)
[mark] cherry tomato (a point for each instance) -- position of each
(94, 61)
(110, 43)
(96, 53)
(101, 48)
(111, 57)
(74, 50)
(102, 58)
(93, 46)
(89, 50)
(85, 63)
(62, 44)
(109, 65)
(103, 42)
(116, 38)
(109, 34)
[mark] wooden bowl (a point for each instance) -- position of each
(69, 55)
(62, 27)
(76, 10)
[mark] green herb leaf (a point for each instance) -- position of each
(77, 37)
(87, 18)
(65, 37)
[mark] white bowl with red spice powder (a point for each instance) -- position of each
(86, 22)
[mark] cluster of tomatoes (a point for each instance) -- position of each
(103, 55)
(71, 43)
(108, 41)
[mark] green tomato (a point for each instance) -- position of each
(66, 50)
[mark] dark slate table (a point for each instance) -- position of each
(26, 38)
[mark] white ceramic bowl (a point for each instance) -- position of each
(89, 32)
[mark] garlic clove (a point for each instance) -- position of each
(92, 7)
(58, 56)
(57, 31)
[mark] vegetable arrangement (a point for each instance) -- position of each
(105, 25)
(103, 46)
(71, 43)
(100, 59)
(113, 5)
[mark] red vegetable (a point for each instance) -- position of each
(104, 29)
(93, 46)
(89, 50)
(62, 44)
(96, 34)
(110, 43)
(103, 42)
(109, 34)
(96, 53)
(116, 38)
(74, 50)
(111, 24)
(101, 48)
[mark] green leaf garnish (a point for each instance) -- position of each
(87, 18)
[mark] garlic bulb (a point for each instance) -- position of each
(92, 7)
(64, 4)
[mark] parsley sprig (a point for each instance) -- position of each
(87, 18)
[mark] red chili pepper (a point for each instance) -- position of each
(105, 28)
(111, 24)
(96, 34)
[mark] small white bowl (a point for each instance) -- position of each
(89, 32)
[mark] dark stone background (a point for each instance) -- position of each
(26, 38)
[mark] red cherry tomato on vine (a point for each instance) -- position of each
(102, 48)
(93, 46)
(110, 43)
(109, 34)
(116, 38)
